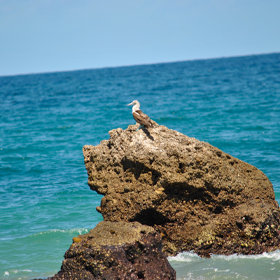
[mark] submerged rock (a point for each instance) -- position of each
(198, 197)
(116, 250)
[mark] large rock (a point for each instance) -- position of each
(198, 197)
(114, 251)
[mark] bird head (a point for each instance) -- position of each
(134, 102)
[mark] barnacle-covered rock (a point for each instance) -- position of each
(116, 250)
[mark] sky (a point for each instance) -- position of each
(60, 35)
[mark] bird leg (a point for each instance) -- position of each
(141, 126)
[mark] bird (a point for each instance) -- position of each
(139, 116)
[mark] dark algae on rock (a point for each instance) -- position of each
(116, 251)
(196, 196)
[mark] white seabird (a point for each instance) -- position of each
(139, 116)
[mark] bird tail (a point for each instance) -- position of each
(149, 124)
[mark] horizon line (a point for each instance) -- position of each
(132, 65)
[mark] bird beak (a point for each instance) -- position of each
(130, 104)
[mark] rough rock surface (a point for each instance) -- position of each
(114, 251)
(198, 197)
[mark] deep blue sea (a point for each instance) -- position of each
(46, 119)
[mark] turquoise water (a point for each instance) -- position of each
(46, 119)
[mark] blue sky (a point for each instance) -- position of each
(57, 35)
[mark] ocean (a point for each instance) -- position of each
(46, 119)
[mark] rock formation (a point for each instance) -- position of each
(114, 251)
(196, 196)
